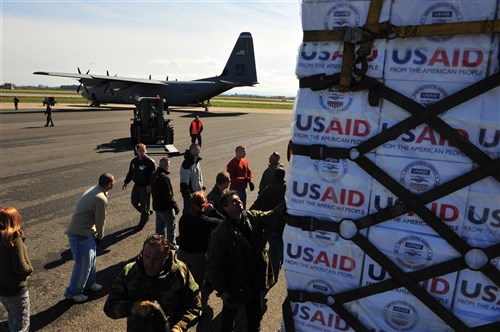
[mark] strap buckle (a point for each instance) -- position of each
(352, 35)
(318, 151)
(308, 224)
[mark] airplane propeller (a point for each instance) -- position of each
(80, 86)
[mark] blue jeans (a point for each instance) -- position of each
(18, 308)
(83, 249)
(165, 224)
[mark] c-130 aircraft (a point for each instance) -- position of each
(103, 89)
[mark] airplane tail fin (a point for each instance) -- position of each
(240, 67)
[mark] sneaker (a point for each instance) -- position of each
(78, 298)
(95, 287)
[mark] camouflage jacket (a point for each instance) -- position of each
(174, 289)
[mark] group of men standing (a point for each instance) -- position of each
(157, 292)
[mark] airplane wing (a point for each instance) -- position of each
(103, 79)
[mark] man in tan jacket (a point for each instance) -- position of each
(84, 232)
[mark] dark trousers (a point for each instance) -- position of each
(196, 137)
(140, 200)
(253, 311)
(49, 121)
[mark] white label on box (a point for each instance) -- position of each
(328, 189)
(322, 255)
(326, 58)
(482, 220)
(414, 60)
(310, 316)
(419, 176)
(488, 137)
(398, 310)
(424, 140)
(411, 251)
(335, 14)
(441, 288)
(333, 118)
(409, 12)
(477, 298)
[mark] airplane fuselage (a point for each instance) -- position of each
(176, 93)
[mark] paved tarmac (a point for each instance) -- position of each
(44, 170)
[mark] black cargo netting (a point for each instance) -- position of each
(353, 78)
(407, 202)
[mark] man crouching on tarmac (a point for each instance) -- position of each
(156, 292)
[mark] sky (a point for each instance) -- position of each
(182, 39)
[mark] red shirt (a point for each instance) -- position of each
(238, 170)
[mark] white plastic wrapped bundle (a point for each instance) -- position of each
(425, 69)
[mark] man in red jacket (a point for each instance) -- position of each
(195, 129)
(240, 174)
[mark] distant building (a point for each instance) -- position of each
(10, 86)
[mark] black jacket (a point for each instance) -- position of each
(162, 192)
(140, 171)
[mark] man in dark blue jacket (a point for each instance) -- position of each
(139, 171)
(163, 201)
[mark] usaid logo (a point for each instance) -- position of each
(413, 252)
(401, 315)
(419, 176)
(428, 94)
(324, 239)
(333, 100)
(441, 12)
(331, 169)
(319, 286)
(341, 15)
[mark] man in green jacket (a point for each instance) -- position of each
(238, 264)
(156, 292)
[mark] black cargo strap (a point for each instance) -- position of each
(319, 152)
(493, 327)
(311, 224)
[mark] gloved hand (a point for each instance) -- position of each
(251, 185)
(176, 208)
(97, 242)
(227, 299)
(176, 328)
(143, 308)
(247, 179)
